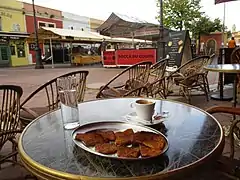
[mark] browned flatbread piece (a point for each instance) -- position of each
(128, 132)
(124, 138)
(106, 148)
(154, 144)
(128, 152)
(149, 152)
(107, 135)
(139, 137)
(90, 139)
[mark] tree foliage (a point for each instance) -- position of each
(204, 25)
(186, 14)
(179, 14)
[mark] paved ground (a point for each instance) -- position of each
(29, 79)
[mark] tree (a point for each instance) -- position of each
(234, 28)
(204, 25)
(179, 14)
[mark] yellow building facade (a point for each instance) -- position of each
(13, 46)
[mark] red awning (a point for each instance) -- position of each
(222, 1)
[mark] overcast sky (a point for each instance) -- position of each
(143, 9)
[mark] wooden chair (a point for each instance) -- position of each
(9, 119)
(230, 166)
(137, 75)
(157, 70)
(156, 84)
(205, 72)
(49, 93)
(191, 75)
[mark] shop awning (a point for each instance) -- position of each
(14, 34)
(69, 35)
(66, 34)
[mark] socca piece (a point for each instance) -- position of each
(90, 139)
(128, 132)
(107, 135)
(140, 137)
(128, 152)
(124, 138)
(154, 144)
(149, 152)
(106, 148)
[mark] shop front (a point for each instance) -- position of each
(13, 49)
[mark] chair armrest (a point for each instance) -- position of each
(10, 132)
(223, 109)
(138, 90)
(196, 75)
(31, 112)
(174, 73)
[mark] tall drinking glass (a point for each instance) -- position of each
(67, 90)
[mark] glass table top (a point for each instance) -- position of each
(193, 136)
(227, 68)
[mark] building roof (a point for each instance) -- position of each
(117, 23)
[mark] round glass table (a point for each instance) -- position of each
(225, 68)
(47, 150)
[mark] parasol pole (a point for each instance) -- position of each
(224, 19)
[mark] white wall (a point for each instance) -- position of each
(76, 21)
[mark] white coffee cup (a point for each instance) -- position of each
(144, 109)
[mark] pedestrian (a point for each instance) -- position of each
(232, 43)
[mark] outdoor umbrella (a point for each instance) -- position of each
(222, 1)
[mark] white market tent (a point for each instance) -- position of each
(68, 35)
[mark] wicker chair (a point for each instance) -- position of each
(156, 85)
(191, 75)
(49, 92)
(230, 166)
(210, 60)
(9, 119)
(136, 75)
(157, 70)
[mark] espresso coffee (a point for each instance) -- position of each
(144, 102)
(144, 109)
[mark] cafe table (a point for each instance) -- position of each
(226, 68)
(48, 151)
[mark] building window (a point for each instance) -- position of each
(21, 50)
(40, 24)
(16, 27)
(46, 24)
(12, 48)
(51, 25)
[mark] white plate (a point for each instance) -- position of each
(156, 119)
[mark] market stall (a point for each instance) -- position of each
(178, 44)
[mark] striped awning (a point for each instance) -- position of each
(222, 1)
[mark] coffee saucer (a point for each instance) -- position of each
(156, 119)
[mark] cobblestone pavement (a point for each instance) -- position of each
(29, 79)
